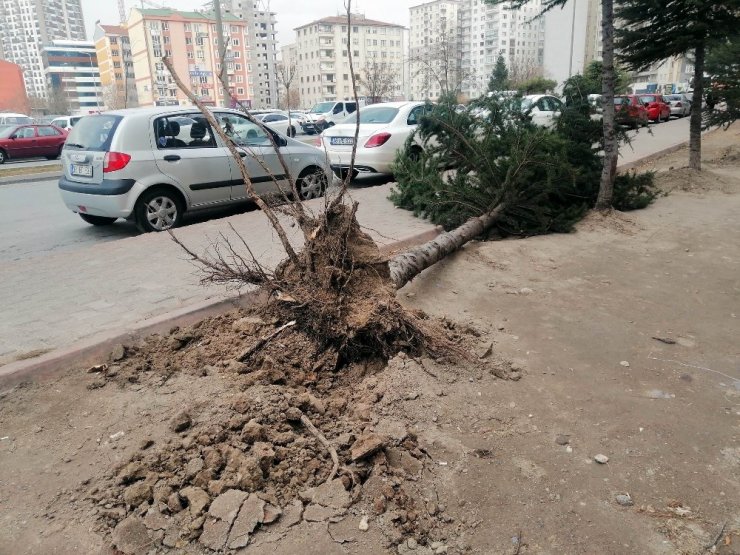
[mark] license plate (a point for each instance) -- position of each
(81, 170)
(342, 141)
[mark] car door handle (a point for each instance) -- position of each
(172, 158)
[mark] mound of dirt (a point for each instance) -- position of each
(263, 457)
(692, 181)
(727, 156)
(612, 220)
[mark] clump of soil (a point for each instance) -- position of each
(612, 220)
(727, 156)
(693, 181)
(250, 460)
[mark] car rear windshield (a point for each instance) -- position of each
(93, 133)
(618, 100)
(383, 114)
(647, 99)
(673, 97)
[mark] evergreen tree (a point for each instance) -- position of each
(611, 147)
(723, 68)
(653, 30)
(500, 77)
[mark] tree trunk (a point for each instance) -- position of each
(611, 152)
(407, 265)
(696, 107)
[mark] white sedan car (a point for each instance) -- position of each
(384, 129)
(280, 122)
(543, 108)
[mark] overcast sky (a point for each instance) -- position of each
(290, 13)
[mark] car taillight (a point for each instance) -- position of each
(115, 161)
(377, 140)
(678, 104)
(317, 141)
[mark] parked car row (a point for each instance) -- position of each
(639, 109)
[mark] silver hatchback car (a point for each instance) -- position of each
(152, 165)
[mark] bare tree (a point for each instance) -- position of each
(379, 80)
(438, 64)
(286, 73)
(113, 97)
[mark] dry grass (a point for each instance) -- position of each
(11, 172)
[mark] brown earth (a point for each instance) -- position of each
(624, 335)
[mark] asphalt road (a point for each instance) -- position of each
(34, 222)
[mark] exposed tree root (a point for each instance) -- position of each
(325, 442)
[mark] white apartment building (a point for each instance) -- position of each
(323, 56)
(434, 48)
(71, 69)
(573, 38)
(455, 43)
(27, 26)
(262, 49)
(489, 30)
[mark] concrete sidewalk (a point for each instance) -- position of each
(53, 301)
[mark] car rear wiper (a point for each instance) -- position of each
(76, 145)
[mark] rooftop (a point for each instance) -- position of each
(357, 19)
(178, 14)
(113, 29)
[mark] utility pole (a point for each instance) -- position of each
(221, 52)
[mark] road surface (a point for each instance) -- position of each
(34, 222)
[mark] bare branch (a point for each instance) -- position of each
(228, 141)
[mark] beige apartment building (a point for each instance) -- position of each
(321, 54)
(116, 69)
(190, 40)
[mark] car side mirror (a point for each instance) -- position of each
(13, 137)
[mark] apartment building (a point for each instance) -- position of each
(434, 49)
(113, 51)
(72, 75)
(573, 38)
(323, 56)
(667, 76)
(262, 41)
(190, 40)
(489, 30)
(28, 25)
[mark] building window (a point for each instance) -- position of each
(240, 90)
(165, 26)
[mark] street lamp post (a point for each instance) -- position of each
(97, 97)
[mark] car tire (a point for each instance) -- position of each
(3, 156)
(291, 131)
(167, 200)
(311, 183)
(97, 220)
(55, 156)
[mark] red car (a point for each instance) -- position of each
(658, 109)
(31, 141)
(630, 111)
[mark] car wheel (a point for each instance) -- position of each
(311, 183)
(3, 156)
(97, 220)
(55, 156)
(415, 153)
(158, 210)
(291, 131)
